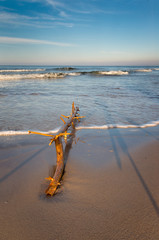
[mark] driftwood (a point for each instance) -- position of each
(55, 181)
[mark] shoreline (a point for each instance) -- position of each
(109, 189)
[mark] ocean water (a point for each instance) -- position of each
(34, 97)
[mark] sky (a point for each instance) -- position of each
(79, 32)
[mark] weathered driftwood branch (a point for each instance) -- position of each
(55, 181)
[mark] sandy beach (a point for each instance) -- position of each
(109, 189)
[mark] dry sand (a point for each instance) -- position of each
(109, 189)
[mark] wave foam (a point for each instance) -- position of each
(111, 126)
(14, 133)
(143, 70)
(74, 74)
(18, 74)
(112, 73)
(22, 70)
(32, 76)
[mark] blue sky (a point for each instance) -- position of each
(83, 32)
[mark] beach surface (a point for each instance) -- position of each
(109, 189)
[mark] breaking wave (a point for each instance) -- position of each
(65, 68)
(32, 76)
(57, 75)
(42, 73)
(22, 70)
(74, 74)
(143, 70)
(112, 73)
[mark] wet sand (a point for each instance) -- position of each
(109, 189)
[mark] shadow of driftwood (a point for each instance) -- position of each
(114, 145)
(22, 164)
(142, 181)
(115, 149)
(124, 148)
(69, 146)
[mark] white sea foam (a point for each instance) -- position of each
(13, 133)
(143, 70)
(109, 126)
(32, 76)
(157, 69)
(22, 70)
(74, 74)
(113, 72)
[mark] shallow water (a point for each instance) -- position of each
(34, 97)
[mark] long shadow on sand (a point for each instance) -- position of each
(22, 164)
(115, 149)
(124, 148)
(149, 194)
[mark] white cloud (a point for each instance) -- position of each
(59, 5)
(55, 3)
(40, 21)
(63, 14)
(13, 40)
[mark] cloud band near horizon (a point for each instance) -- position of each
(13, 40)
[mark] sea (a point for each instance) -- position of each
(34, 97)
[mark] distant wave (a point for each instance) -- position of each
(32, 76)
(65, 68)
(22, 70)
(112, 73)
(102, 73)
(143, 70)
(109, 126)
(52, 75)
(74, 74)
(157, 69)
